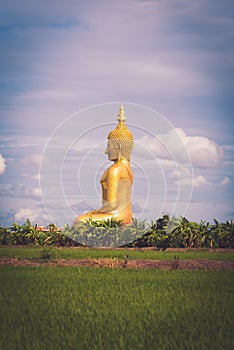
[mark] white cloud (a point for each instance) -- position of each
(19, 191)
(205, 153)
(196, 181)
(34, 159)
(225, 181)
(34, 215)
(176, 145)
(36, 192)
(200, 181)
(2, 164)
(34, 176)
(229, 148)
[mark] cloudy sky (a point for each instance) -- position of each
(66, 66)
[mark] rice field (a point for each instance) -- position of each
(100, 308)
(35, 252)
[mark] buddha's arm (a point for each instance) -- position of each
(116, 197)
(110, 194)
(118, 193)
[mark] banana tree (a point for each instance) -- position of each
(224, 234)
(15, 234)
(4, 235)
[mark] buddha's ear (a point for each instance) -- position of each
(119, 147)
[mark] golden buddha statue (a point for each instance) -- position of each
(117, 179)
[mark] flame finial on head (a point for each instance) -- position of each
(121, 131)
(121, 114)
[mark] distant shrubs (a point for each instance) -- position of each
(162, 233)
(27, 234)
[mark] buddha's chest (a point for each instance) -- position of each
(103, 180)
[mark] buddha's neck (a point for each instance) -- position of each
(122, 160)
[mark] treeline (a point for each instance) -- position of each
(162, 233)
(179, 232)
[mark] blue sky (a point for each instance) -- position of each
(62, 57)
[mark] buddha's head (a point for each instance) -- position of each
(120, 140)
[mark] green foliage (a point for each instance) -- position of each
(162, 233)
(182, 233)
(106, 223)
(105, 233)
(46, 255)
(27, 234)
(85, 308)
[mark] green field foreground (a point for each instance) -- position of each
(88, 308)
(35, 252)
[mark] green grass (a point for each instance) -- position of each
(83, 253)
(85, 308)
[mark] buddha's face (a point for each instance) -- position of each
(112, 150)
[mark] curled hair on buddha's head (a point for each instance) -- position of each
(122, 136)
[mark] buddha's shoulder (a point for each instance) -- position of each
(113, 169)
(117, 168)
